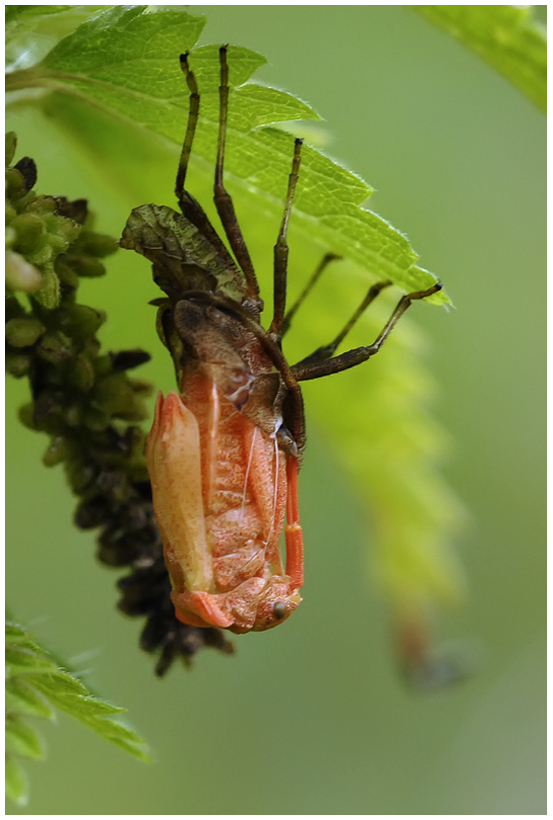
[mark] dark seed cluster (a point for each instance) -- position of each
(83, 399)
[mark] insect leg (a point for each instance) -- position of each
(292, 531)
(190, 208)
(314, 370)
(327, 351)
(281, 247)
(193, 114)
(287, 321)
(222, 199)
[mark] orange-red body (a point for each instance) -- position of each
(221, 488)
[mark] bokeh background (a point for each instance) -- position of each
(312, 718)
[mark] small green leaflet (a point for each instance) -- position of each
(34, 684)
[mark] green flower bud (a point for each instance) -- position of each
(142, 387)
(42, 252)
(91, 347)
(62, 231)
(11, 145)
(49, 294)
(96, 419)
(79, 321)
(42, 205)
(18, 364)
(29, 229)
(27, 417)
(137, 411)
(79, 476)
(81, 373)
(15, 185)
(86, 266)
(95, 244)
(114, 394)
(54, 348)
(24, 332)
(92, 512)
(69, 280)
(48, 409)
(102, 365)
(73, 415)
(10, 236)
(57, 452)
(113, 483)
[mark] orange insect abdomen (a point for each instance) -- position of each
(221, 487)
(243, 487)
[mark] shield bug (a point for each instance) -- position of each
(225, 450)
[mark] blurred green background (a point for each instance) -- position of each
(312, 718)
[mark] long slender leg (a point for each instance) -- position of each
(193, 115)
(281, 247)
(190, 208)
(221, 197)
(327, 351)
(315, 370)
(287, 321)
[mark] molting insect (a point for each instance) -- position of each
(224, 452)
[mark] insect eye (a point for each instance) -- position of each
(279, 610)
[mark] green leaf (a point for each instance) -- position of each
(21, 696)
(17, 789)
(69, 694)
(31, 31)
(13, 13)
(15, 634)
(116, 45)
(21, 739)
(506, 37)
(34, 683)
(125, 61)
(21, 660)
